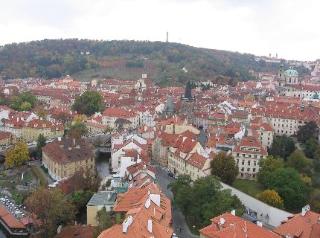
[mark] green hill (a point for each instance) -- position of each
(165, 63)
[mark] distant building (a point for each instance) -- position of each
(248, 154)
(63, 157)
(287, 78)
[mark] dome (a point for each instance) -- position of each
(291, 73)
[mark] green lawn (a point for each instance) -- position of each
(248, 186)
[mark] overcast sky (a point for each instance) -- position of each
(290, 28)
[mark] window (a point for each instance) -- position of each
(249, 162)
(242, 162)
(248, 169)
(254, 169)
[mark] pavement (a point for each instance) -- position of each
(178, 218)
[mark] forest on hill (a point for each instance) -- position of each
(165, 63)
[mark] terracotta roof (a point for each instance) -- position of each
(250, 144)
(68, 150)
(197, 160)
(9, 219)
(78, 231)
(229, 226)
(117, 112)
(301, 226)
(140, 210)
(5, 135)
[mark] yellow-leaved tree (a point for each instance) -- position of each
(271, 197)
(17, 155)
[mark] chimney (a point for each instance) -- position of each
(221, 223)
(127, 222)
(59, 138)
(304, 210)
(74, 141)
(233, 212)
(149, 225)
(259, 223)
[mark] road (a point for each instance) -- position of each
(178, 218)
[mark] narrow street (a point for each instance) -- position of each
(178, 218)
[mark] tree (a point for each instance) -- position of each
(267, 167)
(25, 106)
(108, 130)
(41, 142)
(84, 180)
(80, 118)
(80, 198)
(224, 167)
(315, 200)
(51, 208)
(23, 102)
(88, 103)
(307, 131)
(17, 155)
(282, 146)
(289, 185)
(203, 199)
(311, 147)
(77, 130)
(298, 161)
(104, 221)
(271, 197)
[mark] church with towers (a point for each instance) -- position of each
(288, 77)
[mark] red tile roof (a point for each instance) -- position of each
(9, 219)
(300, 226)
(78, 231)
(230, 226)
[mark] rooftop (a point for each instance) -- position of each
(103, 198)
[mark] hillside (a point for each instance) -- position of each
(165, 63)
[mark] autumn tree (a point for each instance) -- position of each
(271, 197)
(51, 208)
(23, 102)
(224, 166)
(17, 155)
(290, 186)
(77, 130)
(88, 103)
(85, 180)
